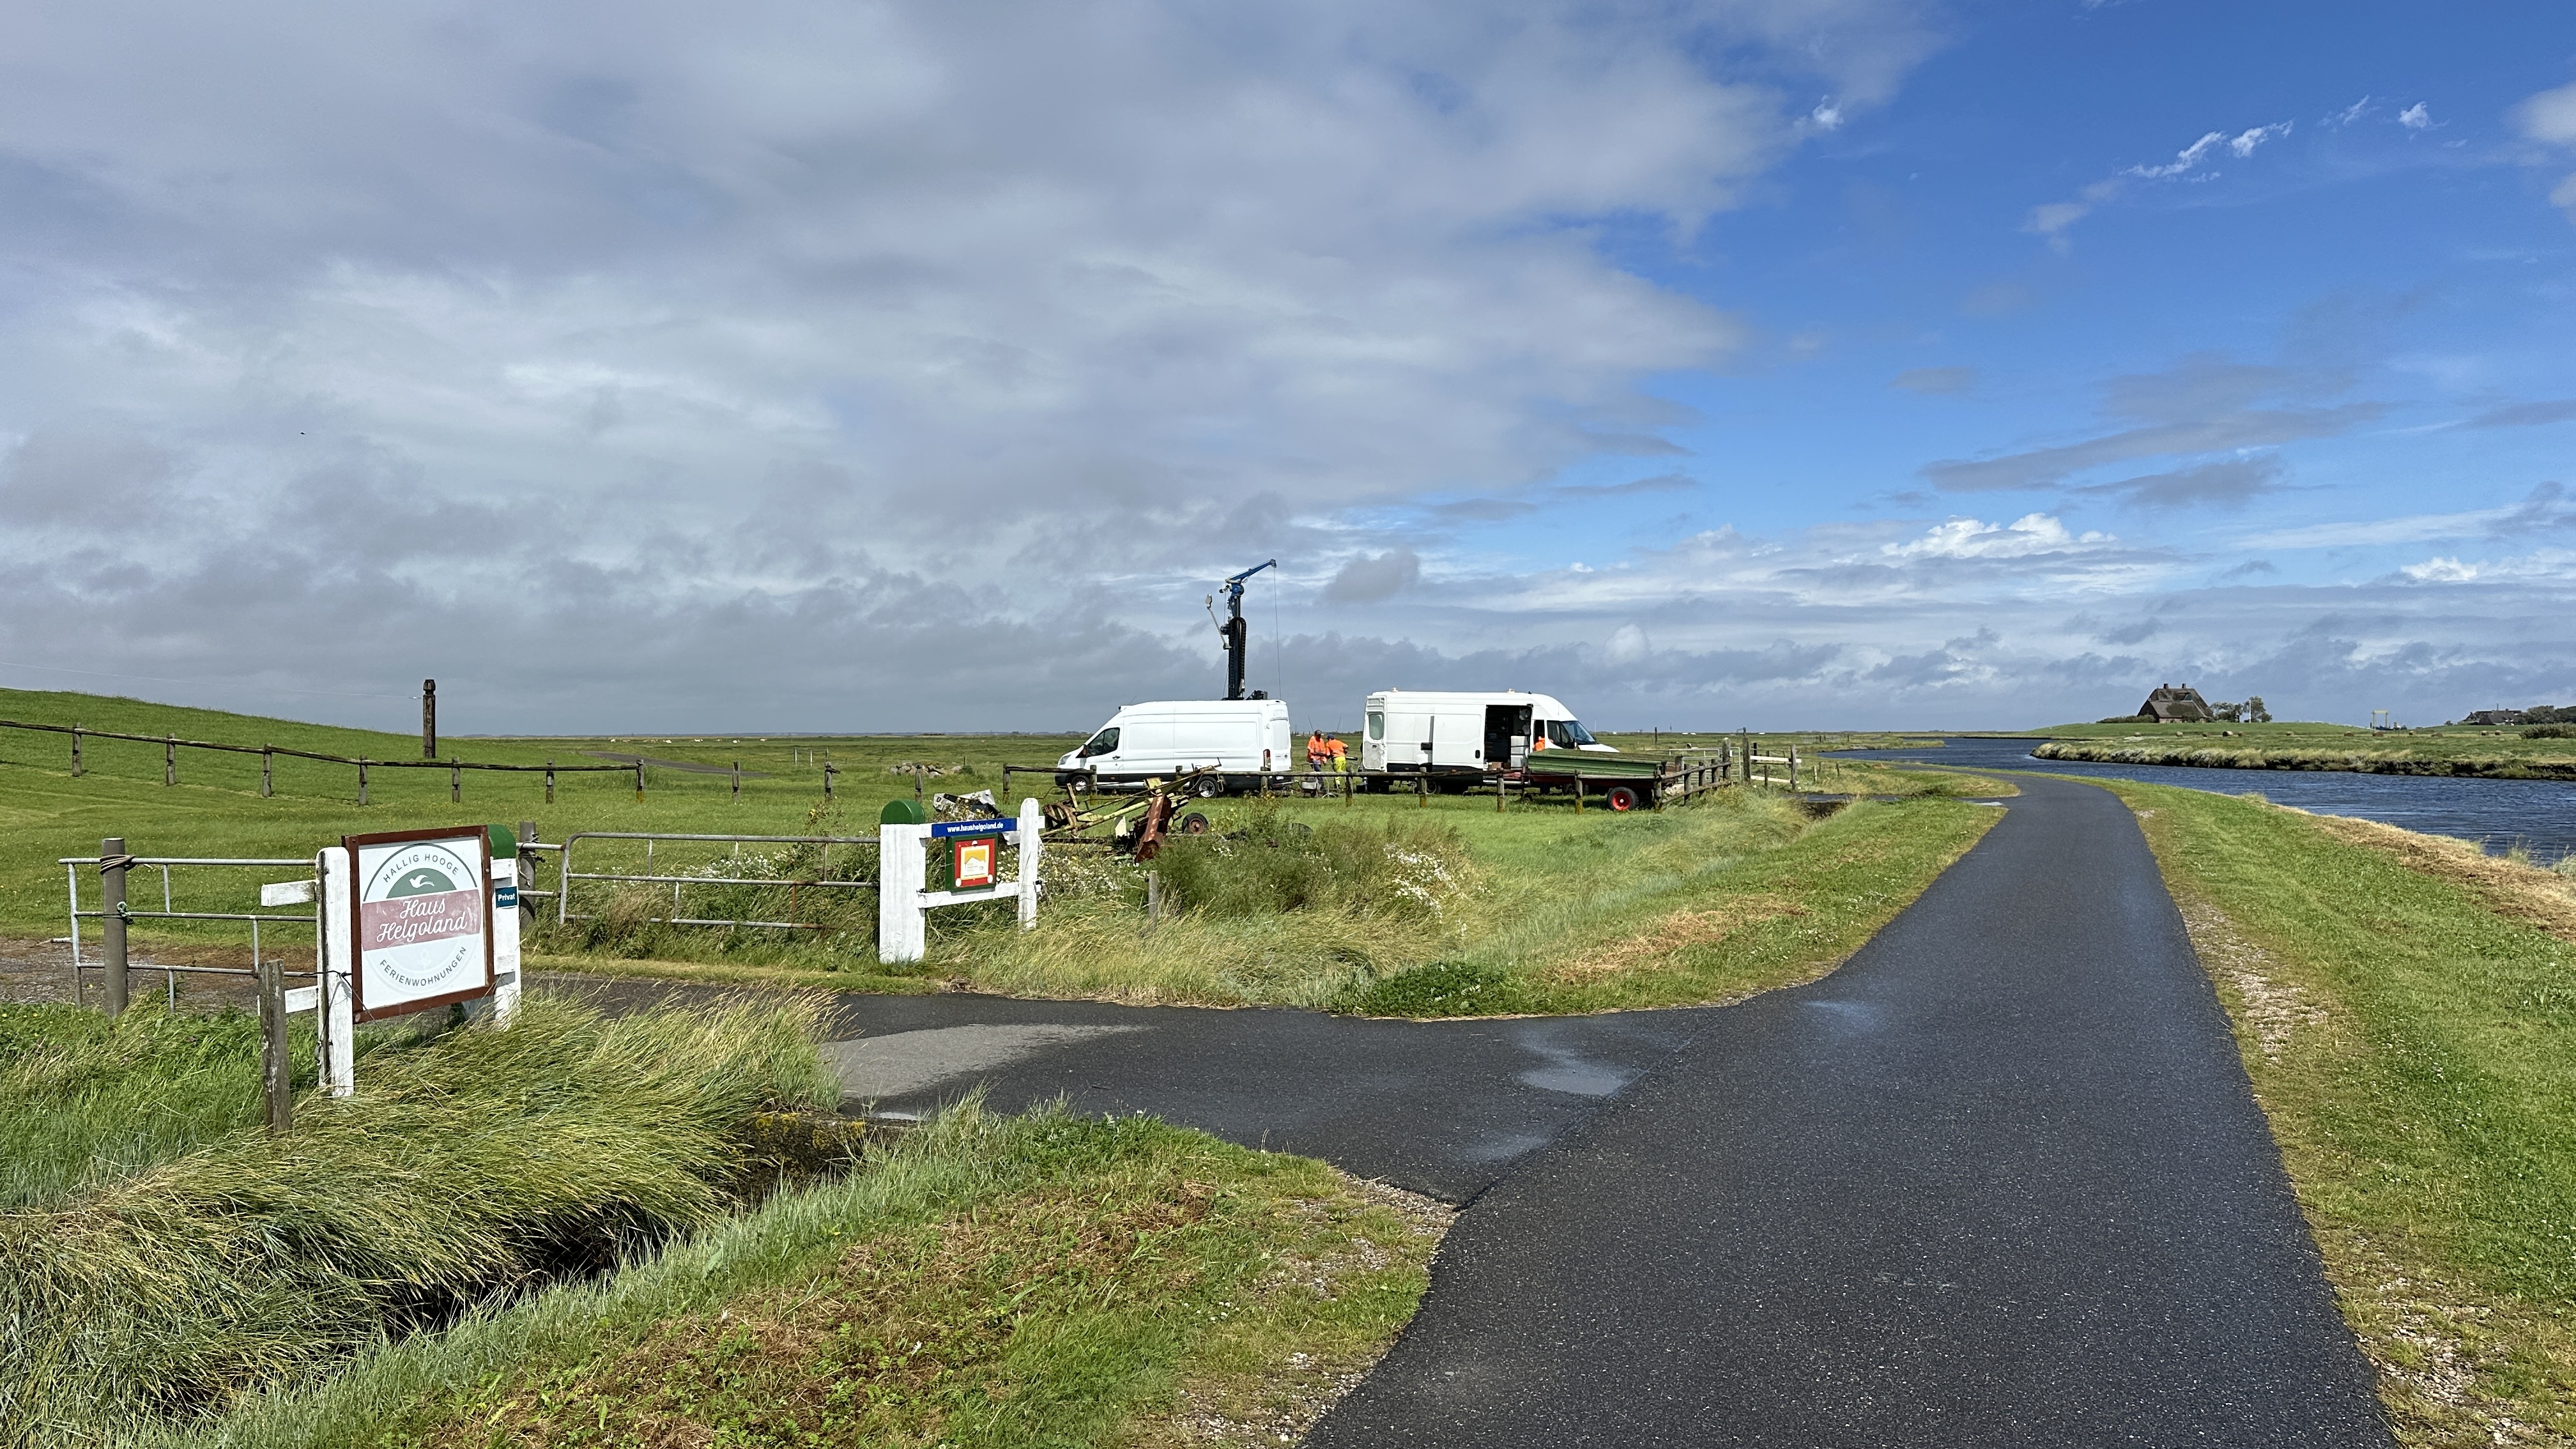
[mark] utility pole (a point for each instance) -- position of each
(429, 719)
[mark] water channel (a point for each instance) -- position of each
(2538, 815)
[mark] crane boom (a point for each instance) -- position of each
(1235, 630)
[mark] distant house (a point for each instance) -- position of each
(2494, 717)
(2176, 704)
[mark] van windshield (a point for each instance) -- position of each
(1103, 743)
(1567, 734)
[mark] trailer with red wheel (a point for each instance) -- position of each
(1620, 783)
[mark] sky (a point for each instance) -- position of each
(862, 367)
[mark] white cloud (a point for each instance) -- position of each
(2416, 117)
(2032, 533)
(2051, 219)
(2413, 528)
(2244, 142)
(2349, 114)
(2542, 565)
(2440, 571)
(2186, 160)
(2549, 116)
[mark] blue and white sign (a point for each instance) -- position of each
(947, 828)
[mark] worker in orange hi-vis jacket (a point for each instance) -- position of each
(1337, 756)
(1315, 752)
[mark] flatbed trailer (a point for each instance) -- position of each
(1618, 782)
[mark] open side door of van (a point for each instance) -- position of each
(1505, 723)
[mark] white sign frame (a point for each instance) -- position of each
(903, 906)
(392, 977)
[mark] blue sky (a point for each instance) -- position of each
(1769, 363)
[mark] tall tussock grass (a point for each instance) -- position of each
(471, 1165)
(1274, 864)
(82, 1098)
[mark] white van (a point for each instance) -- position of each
(1466, 733)
(1245, 739)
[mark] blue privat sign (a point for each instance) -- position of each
(947, 828)
(505, 897)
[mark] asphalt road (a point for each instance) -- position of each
(1998, 1181)
(1440, 1108)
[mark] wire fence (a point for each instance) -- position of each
(115, 905)
(712, 882)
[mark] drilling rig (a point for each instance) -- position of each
(1234, 629)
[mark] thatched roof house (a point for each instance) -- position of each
(2176, 704)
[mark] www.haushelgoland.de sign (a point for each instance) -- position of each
(421, 919)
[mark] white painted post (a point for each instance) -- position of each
(1032, 826)
(331, 965)
(505, 944)
(900, 876)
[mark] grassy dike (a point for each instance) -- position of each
(2405, 1011)
(2453, 751)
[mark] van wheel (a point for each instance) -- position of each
(1210, 789)
(1194, 823)
(1625, 798)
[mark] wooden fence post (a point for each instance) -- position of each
(362, 779)
(170, 760)
(455, 783)
(639, 781)
(829, 770)
(737, 780)
(267, 759)
(276, 1069)
(550, 782)
(76, 759)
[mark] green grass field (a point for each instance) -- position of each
(2408, 1017)
(1558, 910)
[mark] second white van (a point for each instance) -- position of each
(1443, 732)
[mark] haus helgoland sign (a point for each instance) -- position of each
(421, 919)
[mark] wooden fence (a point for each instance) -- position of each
(171, 745)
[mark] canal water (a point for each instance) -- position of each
(2538, 815)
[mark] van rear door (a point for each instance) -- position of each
(1507, 732)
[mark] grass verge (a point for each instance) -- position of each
(156, 1284)
(1534, 910)
(2406, 1019)
(1038, 1280)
